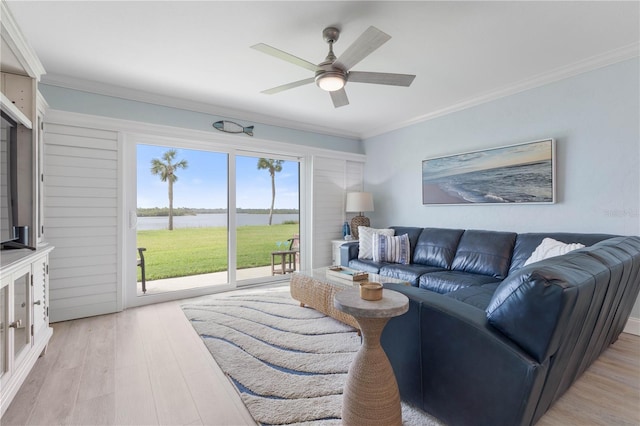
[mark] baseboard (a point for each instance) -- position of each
(633, 326)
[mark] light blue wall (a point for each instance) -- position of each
(107, 106)
(595, 119)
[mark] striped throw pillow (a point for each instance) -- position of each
(391, 249)
(365, 237)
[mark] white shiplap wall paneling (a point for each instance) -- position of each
(81, 202)
(331, 179)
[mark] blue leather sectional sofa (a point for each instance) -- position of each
(488, 341)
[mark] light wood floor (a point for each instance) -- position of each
(143, 366)
(147, 366)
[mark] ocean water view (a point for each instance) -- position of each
(530, 183)
(211, 220)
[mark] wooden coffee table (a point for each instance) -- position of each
(371, 395)
(316, 290)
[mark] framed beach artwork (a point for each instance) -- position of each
(515, 174)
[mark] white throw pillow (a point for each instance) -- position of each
(391, 249)
(365, 239)
(550, 248)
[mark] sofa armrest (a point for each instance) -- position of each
(453, 364)
(348, 251)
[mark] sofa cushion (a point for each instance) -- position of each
(477, 295)
(391, 249)
(365, 239)
(410, 273)
(447, 281)
(437, 247)
(485, 253)
(366, 265)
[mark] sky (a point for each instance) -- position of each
(488, 159)
(203, 184)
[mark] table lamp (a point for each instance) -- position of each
(359, 202)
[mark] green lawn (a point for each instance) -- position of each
(193, 251)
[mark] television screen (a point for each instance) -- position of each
(8, 135)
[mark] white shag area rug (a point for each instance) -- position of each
(289, 363)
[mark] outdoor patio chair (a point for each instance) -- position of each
(287, 259)
(141, 265)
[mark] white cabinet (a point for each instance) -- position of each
(24, 283)
(24, 317)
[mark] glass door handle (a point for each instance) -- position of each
(16, 324)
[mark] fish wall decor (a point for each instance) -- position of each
(231, 127)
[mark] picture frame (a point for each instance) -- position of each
(523, 173)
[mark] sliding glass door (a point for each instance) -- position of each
(204, 221)
(267, 217)
(182, 219)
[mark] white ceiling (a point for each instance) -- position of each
(463, 53)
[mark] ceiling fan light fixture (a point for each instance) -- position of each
(330, 81)
(332, 74)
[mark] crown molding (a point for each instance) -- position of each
(23, 51)
(189, 105)
(594, 62)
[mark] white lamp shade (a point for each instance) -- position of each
(359, 202)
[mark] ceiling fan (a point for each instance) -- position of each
(334, 72)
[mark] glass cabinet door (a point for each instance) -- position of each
(20, 324)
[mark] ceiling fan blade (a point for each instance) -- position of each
(381, 78)
(339, 98)
(369, 41)
(265, 48)
(288, 86)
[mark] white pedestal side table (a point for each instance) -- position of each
(371, 395)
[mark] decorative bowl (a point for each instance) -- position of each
(370, 290)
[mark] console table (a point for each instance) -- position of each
(371, 395)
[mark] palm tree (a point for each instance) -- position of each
(165, 168)
(273, 166)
